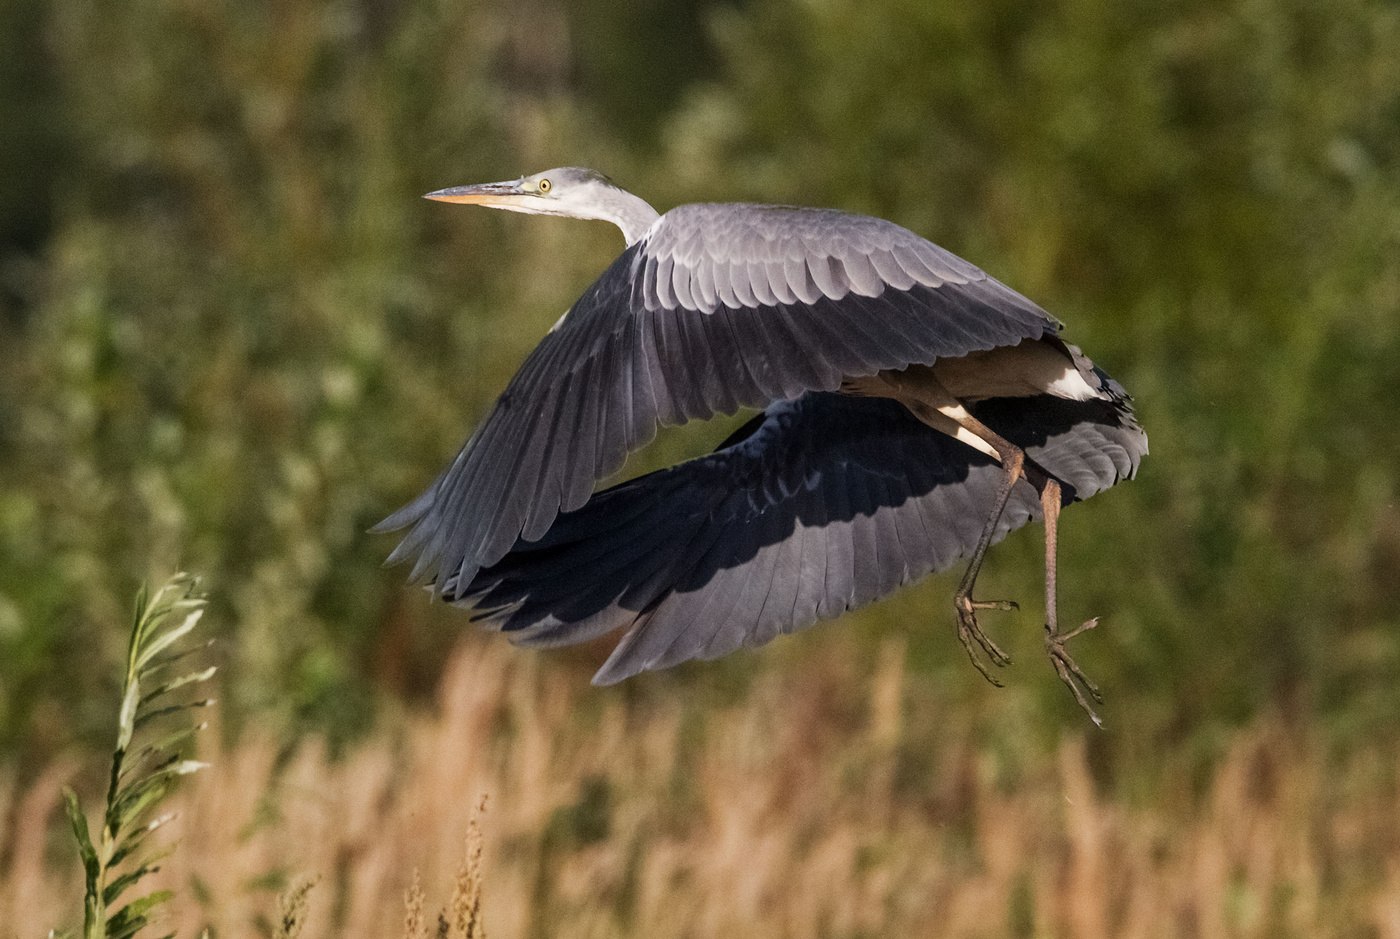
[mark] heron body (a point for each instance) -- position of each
(913, 411)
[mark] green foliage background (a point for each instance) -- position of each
(232, 337)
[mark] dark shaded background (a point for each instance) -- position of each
(232, 337)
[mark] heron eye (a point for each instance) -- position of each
(545, 185)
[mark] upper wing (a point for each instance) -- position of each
(717, 307)
(830, 503)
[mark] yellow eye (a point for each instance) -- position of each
(545, 185)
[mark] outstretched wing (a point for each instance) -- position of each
(717, 307)
(829, 503)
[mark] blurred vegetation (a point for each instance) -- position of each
(232, 337)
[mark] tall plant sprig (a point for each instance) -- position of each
(142, 778)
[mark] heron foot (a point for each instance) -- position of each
(1069, 671)
(969, 632)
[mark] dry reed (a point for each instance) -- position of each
(793, 813)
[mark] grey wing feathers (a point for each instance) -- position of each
(828, 504)
(718, 307)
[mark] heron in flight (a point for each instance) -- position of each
(913, 410)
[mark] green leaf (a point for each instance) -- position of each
(167, 664)
(146, 718)
(147, 865)
(174, 683)
(127, 928)
(133, 842)
(169, 637)
(132, 803)
(78, 820)
(125, 922)
(159, 749)
(126, 718)
(139, 907)
(126, 811)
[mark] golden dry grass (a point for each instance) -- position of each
(796, 813)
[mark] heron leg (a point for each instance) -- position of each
(1069, 671)
(1013, 461)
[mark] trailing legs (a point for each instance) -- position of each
(1013, 461)
(927, 398)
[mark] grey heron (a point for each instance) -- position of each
(913, 410)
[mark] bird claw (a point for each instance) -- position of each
(969, 632)
(1069, 671)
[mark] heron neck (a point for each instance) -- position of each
(628, 212)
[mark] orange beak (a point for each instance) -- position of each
(481, 194)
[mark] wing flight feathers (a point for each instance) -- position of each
(829, 503)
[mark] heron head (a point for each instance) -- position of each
(570, 191)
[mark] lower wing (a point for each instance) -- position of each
(817, 506)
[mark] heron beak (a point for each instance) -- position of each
(503, 194)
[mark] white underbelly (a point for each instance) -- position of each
(937, 394)
(1033, 367)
